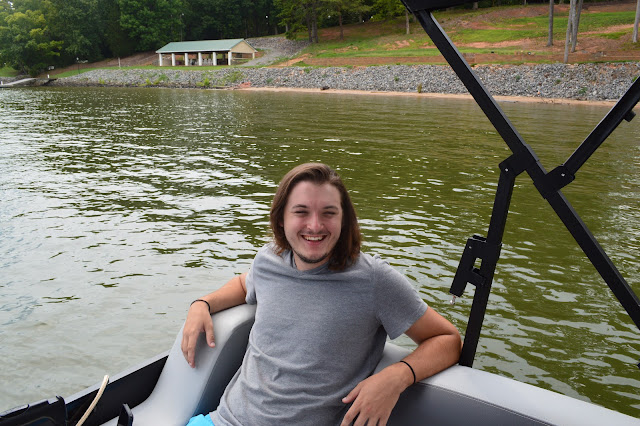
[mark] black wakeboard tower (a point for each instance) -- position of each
(549, 184)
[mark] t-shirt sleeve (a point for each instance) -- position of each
(398, 304)
(265, 260)
(251, 289)
(250, 281)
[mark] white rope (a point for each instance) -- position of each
(95, 401)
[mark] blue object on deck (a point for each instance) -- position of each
(200, 420)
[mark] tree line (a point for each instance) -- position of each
(37, 34)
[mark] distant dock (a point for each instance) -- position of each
(27, 82)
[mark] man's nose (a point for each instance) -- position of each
(315, 222)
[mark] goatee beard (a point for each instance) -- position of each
(309, 260)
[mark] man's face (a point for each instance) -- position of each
(312, 223)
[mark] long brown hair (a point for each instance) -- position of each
(347, 248)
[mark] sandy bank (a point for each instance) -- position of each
(517, 99)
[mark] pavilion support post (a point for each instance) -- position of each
(186, 59)
(160, 59)
(199, 59)
(173, 59)
(215, 58)
(253, 55)
(229, 58)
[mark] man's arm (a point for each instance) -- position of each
(233, 293)
(439, 347)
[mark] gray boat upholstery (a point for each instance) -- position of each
(466, 396)
(456, 396)
(182, 391)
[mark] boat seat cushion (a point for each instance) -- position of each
(183, 392)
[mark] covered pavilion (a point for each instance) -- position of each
(206, 51)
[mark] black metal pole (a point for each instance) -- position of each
(475, 87)
(490, 254)
(622, 110)
(525, 159)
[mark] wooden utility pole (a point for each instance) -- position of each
(550, 41)
(635, 24)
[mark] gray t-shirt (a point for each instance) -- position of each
(317, 334)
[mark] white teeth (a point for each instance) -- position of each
(313, 238)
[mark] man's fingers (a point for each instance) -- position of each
(185, 346)
(191, 356)
(353, 411)
(352, 395)
(208, 330)
(348, 418)
(188, 349)
(363, 420)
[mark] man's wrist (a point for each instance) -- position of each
(204, 301)
(400, 374)
(413, 373)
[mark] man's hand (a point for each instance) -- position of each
(198, 320)
(374, 398)
(233, 293)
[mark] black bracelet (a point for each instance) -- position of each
(410, 367)
(208, 305)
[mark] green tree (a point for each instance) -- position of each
(342, 7)
(26, 43)
(385, 9)
(260, 17)
(79, 25)
(290, 16)
(296, 15)
(212, 19)
(151, 23)
(5, 9)
(116, 41)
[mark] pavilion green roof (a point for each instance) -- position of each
(200, 46)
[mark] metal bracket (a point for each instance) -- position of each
(476, 248)
(554, 181)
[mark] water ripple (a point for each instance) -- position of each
(119, 207)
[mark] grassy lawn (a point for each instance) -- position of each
(538, 27)
(588, 21)
(8, 72)
(388, 39)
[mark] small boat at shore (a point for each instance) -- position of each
(166, 391)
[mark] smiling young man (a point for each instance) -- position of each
(324, 311)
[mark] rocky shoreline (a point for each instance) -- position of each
(592, 82)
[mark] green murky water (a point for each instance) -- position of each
(120, 206)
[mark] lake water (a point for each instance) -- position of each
(118, 207)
